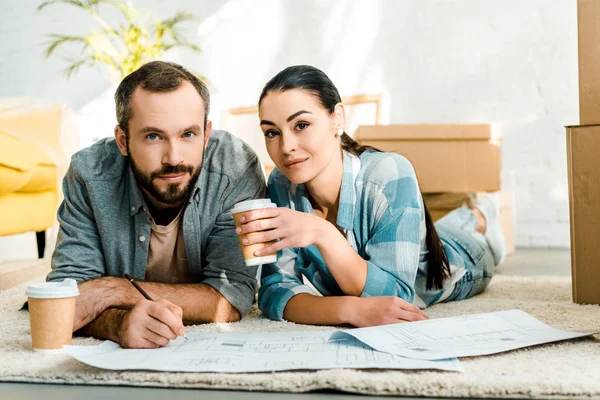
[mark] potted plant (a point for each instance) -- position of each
(123, 47)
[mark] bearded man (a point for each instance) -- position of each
(154, 202)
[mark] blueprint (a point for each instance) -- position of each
(464, 336)
(251, 352)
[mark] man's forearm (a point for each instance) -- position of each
(200, 303)
(98, 295)
(106, 326)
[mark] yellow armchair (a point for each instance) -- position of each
(37, 139)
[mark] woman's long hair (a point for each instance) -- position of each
(315, 81)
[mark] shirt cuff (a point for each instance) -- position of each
(239, 296)
(382, 283)
(277, 300)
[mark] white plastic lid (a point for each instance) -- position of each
(255, 204)
(261, 260)
(53, 290)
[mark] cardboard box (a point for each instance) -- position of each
(588, 26)
(447, 158)
(442, 203)
(449, 201)
(583, 153)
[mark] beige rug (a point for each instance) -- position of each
(567, 369)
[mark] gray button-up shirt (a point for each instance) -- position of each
(105, 223)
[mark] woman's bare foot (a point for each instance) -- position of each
(481, 223)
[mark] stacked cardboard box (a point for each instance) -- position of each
(451, 158)
(583, 153)
(454, 163)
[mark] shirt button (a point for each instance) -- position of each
(142, 238)
(132, 208)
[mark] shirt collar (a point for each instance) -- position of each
(136, 199)
(299, 199)
(345, 218)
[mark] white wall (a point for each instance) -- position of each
(434, 60)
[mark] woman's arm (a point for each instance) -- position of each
(347, 267)
(305, 308)
(393, 249)
(296, 229)
(308, 309)
(283, 296)
(391, 230)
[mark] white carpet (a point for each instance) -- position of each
(567, 369)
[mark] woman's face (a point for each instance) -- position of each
(300, 134)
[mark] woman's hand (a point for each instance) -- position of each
(383, 310)
(292, 228)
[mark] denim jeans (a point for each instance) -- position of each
(466, 249)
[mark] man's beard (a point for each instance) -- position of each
(174, 194)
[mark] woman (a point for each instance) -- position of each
(351, 221)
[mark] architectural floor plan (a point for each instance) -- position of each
(430, 344)
(463, 336)
(251, 352)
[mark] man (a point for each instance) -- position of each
(154, 203)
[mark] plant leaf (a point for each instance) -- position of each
(59, 40)
(75, 66)
(188, 45)
(80, 4)
(128, 11)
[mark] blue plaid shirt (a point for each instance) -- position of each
(381, 215)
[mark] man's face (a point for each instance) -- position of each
(166, 142)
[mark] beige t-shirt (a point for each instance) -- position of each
(167, 259)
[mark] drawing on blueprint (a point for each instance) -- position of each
(253, 352)
(465, 336)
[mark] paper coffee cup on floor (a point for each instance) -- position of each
(237, 212)
(51, 314)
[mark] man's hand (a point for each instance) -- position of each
(104, 304)
(384, 310)
(151, 324)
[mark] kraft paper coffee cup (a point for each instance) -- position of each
(237, 212)
(51, 314)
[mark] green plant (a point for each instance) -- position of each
(124, 48)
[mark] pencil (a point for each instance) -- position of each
(142, 291)
(138, 287)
